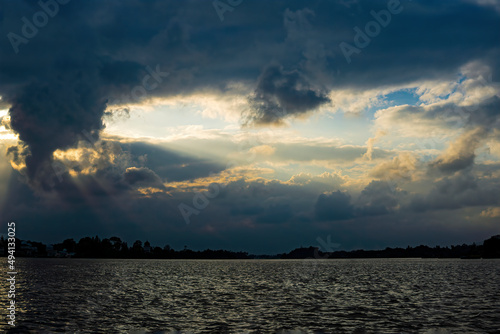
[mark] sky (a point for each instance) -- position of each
(259, 126)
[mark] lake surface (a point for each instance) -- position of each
(257, 296)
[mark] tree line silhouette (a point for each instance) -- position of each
(489, 249)
(114, 247)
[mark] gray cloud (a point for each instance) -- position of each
(280, 94)
(143, 177)
(460, 190)
(334, 206)
(275, 214)
(379, 198)
(49, 117)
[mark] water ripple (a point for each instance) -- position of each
(258, 296)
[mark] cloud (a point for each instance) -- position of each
(170, 164)
(110, 57)
(447, 106)
(338, 154)
(275, 214)
(51, 117)
(403, 166)
(265, 150)
(370, 142)
(355, 101)
(493, 212)
(334, 206)
(280, 94)
(378, 198)
(323, 182)
(461, 153)
(488, 3)
(462, 189)
(143, 177)
(494, 143)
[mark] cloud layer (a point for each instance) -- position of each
(425, 87)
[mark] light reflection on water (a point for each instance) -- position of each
(258, 296)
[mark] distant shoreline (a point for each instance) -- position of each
(259, 259)
(114, 248)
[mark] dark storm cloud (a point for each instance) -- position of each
(53, 116)
(260, 223)
(378, 198)
(143, 177)
(457, 191)
(118, 170)
(280, 94)
(275, 214)
(246, 210)
(263, 198)
(334, 206)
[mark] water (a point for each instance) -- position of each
(257, 296)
